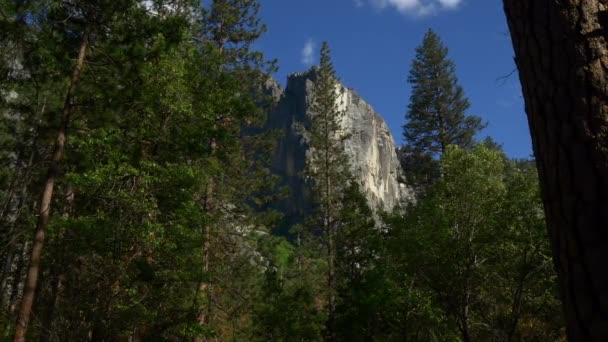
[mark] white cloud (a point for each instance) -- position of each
(358, 3)
(400, 5)
(450, 3)
(308, 52)
(416, 7)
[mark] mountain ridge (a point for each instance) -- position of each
(369, 145)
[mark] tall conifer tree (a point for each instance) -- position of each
(156, 118)
(436, 115)
(328, 168)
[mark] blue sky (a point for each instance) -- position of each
(373, 43)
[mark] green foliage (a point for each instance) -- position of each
(436, 115)
(287, 308)
(357, 249)
(328, 168)
(524, 284)
(481, 257)
(158, 228)
(343, 220)
(130, 220)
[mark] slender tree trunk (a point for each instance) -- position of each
(329, 231)
(17, 278)
(21, 170)
(9, 198)
(331, 275)
(561, 51)
(466, 335)
(6, 270)
(44, 207)
(11, 236)
(204, 287)
(57, 274)
(466, 328)
(515, 312)
(12, 247)
(47, 325)
(443, 143)
(517, 303)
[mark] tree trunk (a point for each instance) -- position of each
(46, 332)
(466, 335)
(12, 236)
(18, 276)
(561, 52)
(57, 274)
(204, 287)
(6, 270)
(44, 207)
(329, 231)
(516, 310)
(331, 284)
(464, 317)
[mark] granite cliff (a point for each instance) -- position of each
(370, 145)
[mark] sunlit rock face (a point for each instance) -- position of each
(370, 146)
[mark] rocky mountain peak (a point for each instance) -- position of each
(370, 145)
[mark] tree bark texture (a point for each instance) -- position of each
(561, 51)
(46, 197)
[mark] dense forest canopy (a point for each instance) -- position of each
(137, 197)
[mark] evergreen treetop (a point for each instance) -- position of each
(329, 167)
(436, 115)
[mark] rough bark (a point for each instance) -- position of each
(44, 207)
(561, 52)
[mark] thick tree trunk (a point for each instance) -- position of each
(44, 207)
(561, 51)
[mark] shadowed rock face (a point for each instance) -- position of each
(369, 146)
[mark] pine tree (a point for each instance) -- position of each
(227, 31)
(101, 159)
(436, 116)
(86, 14)
(357, 254)
(22, 109)
(130, 211)
(328, 169)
